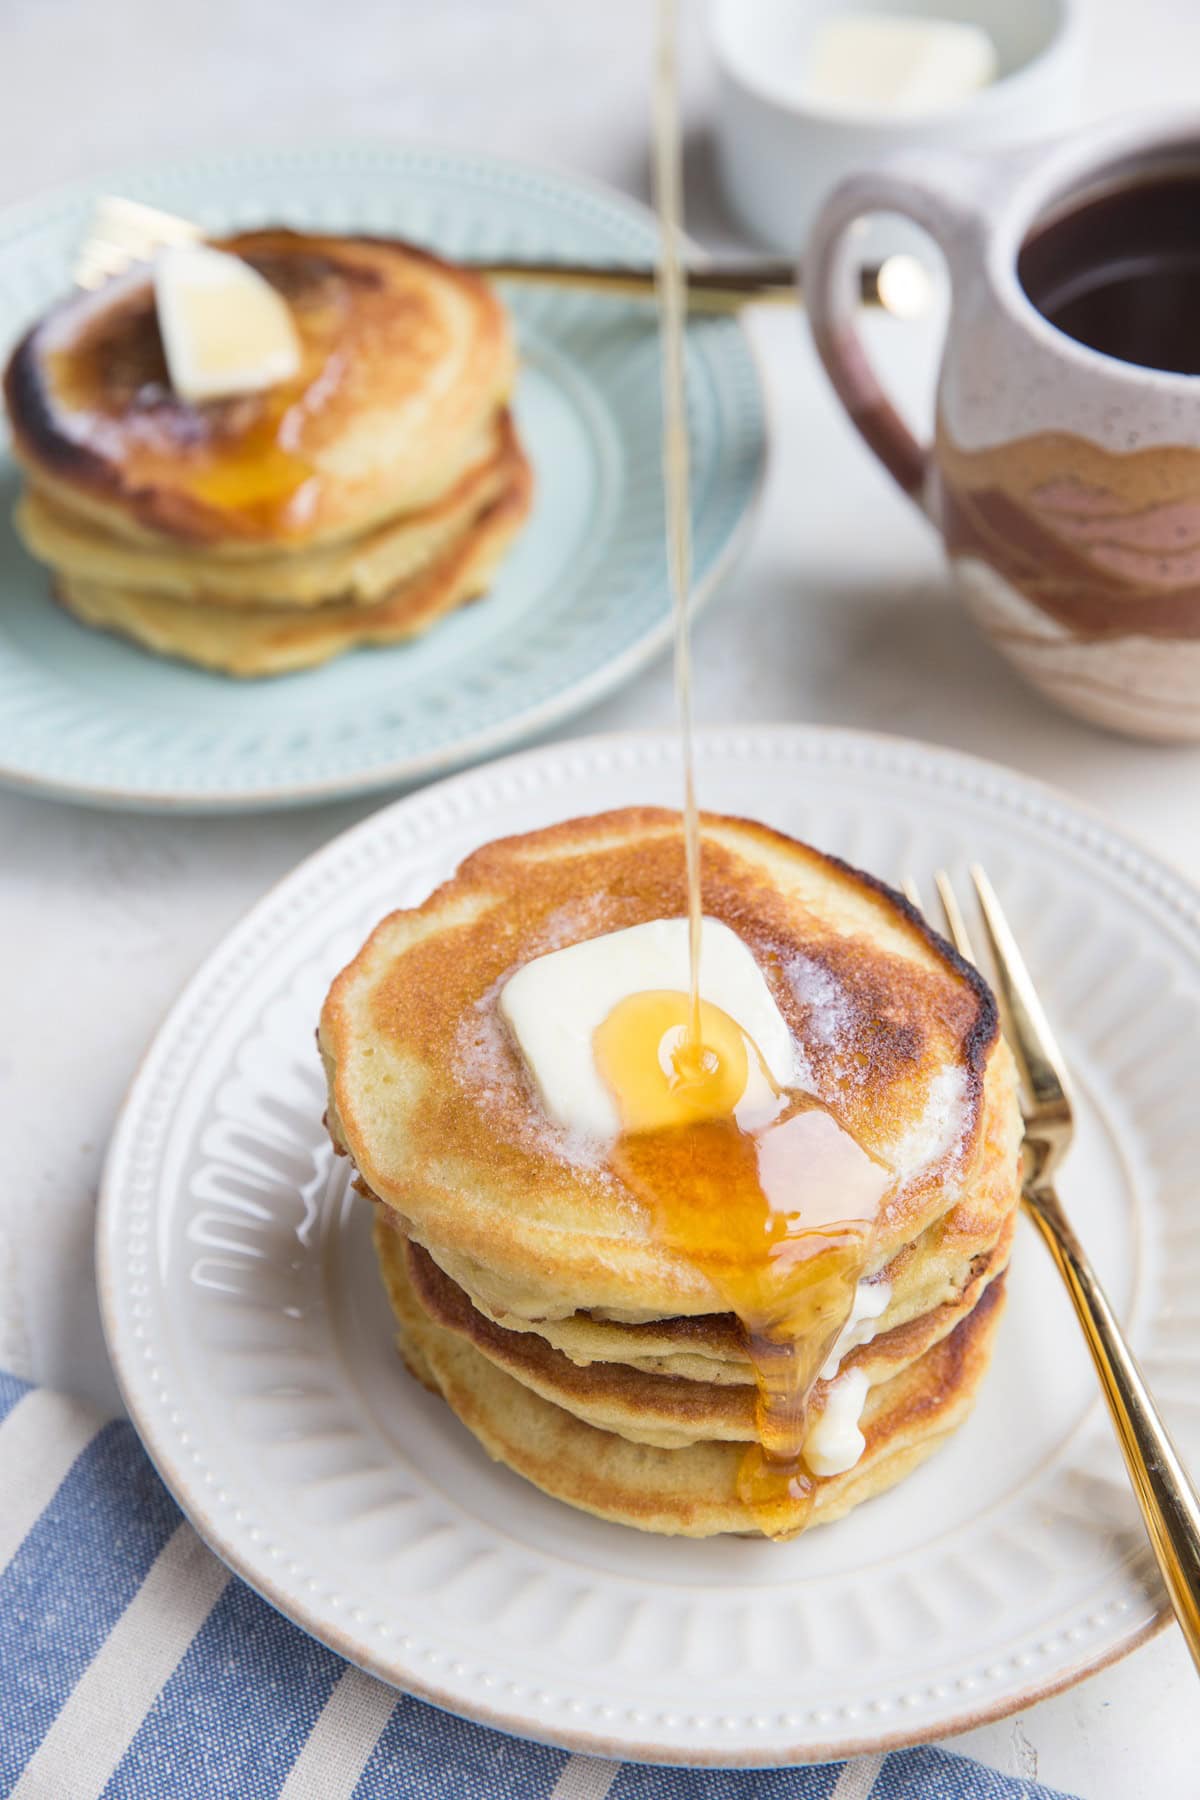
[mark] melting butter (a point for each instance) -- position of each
(871, 1301)
(225, 329)
(897, 66)
(555, 1005)
(835, 1440)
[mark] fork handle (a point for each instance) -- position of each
(1170, 1505)
(721, 288)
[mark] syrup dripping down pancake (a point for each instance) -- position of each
(270, 640)
(663, 1410)
(360, 571)
(711, 1348)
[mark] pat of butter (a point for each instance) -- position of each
(898, 66)
(554, 1005)
(835, 1442)
(225, 330)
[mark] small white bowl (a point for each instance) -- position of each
(780, 151)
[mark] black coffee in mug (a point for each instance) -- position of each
(1120, 271)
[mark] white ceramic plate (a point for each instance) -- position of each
(580, 603)
(254, 1345)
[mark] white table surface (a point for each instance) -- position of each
(839, 613)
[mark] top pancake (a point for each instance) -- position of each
(429, 1096)
(404, 360)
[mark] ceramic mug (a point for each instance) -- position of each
(1065, 482)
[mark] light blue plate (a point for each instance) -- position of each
(581, 602)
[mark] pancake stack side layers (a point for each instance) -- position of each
(581, 1342)
(357, 502)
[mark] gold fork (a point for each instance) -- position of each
(122, 233)
(1169, 1503)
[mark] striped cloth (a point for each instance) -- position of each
(133, 1666)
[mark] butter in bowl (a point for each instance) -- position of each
(808, 93)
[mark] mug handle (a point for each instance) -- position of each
(945, 193)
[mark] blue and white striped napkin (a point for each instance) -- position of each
(133, 1666)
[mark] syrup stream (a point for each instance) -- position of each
(671, 283)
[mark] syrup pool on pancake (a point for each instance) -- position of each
(743, 1173)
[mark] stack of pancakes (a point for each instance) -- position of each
(530, 1286)
(355, 504)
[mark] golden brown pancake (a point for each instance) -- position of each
(430, 1098)
(405, 358)
(664, 1410)
(269, 640)
(690, 1492)
(354, 571)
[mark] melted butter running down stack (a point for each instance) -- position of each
(692, 1325)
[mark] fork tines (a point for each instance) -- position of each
(124, 232)
(1045, 1083)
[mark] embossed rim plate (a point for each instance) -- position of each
(581, 602)
(253, 1344)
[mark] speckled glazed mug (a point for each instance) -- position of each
(1065, 482)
